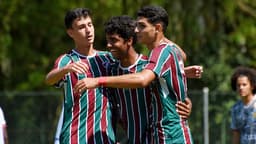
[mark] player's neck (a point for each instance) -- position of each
(160, 38)
(85, 49)
(130, 58)
(247, 99)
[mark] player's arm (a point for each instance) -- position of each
(183, 54)
(235, 137)
(194, 71)
(55, 75)
(184, 108)
(141, 79)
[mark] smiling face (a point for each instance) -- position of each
(117, 46)
(244, 87)
(82, 30)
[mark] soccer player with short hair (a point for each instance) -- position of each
(87, 115)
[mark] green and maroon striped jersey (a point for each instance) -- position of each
(87, 117)
(134, 104)
(166, 62)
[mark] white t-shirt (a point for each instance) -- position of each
(2, 125)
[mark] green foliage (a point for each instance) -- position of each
(217, 34)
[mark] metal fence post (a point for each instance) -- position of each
(206, 115)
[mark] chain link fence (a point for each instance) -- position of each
(32, 116)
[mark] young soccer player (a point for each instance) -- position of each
(165, 71)
(87, 115)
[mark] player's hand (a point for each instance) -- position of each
(194, 71)
(78, 67)
(184, 108)
(84, 84)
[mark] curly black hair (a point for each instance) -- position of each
(123, 25)
(250, 73)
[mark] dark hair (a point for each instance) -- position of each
(123, 25)
(71, 15)
(154, 14)
(244, 71)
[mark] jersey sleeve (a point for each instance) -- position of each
(163, 58)
(166, 62)
(233, 120)
(236, 116)
(155, 58)
(61, 62)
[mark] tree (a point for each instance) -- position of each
(218, 34)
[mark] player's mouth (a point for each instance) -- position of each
(113, 51)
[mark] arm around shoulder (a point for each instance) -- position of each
(147, 76)
(135, 80)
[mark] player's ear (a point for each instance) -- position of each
(69, 32)
(158, 27)
(130, 41)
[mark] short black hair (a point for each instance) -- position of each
(123, 25)
(71, 15)
(250, 73)
(154, 14)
